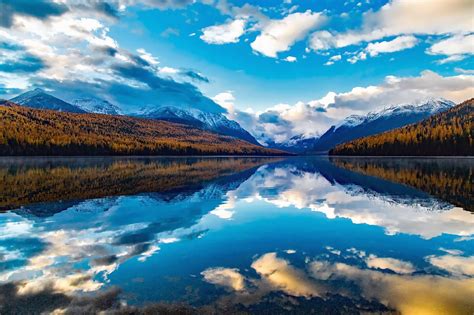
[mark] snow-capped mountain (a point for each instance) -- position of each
(97, 105)
(388, 118)
(296, 144)
(215, 122)
(39, 99)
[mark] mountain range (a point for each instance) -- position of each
(97, 106)
(445, 133)
(210, 121)
(30, 131)
(357, 126)
(214, 120)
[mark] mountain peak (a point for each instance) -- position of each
(381, 120)
(215, 122)
(39, 99)
(97, 105)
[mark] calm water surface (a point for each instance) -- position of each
(237, 235)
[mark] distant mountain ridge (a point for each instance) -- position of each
(39, 99)
(215, 122)
(211, 121)
(297, 144)
(358, 126)
(97, 106)
(445, 133)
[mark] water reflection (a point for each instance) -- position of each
(445, 178)
(236, 235)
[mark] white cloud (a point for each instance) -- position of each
(407, 18)
(449, 59)
(451, 251)
(308, 190)
(226, 100)
(333, 59)
(455, 47)
(421, 294)
(321, 40)
(464, 71)
(279, 35)
(396, 265)
(168, 70)
(226, 277)
(397, 90)
(147, 56)
(281, 275)
(456, 265)
(407, 294)
(412, 17)
(397, 44)
(360, 56)
(229, 32)
(290, 59)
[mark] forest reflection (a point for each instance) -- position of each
(447, 179)
(32, 181)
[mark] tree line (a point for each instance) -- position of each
(447, 133)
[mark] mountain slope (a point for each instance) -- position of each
(39, 99)
(446, 133)
(97, 106)
(215, 122)
(297, 144)
(27, 131)
(389, 118)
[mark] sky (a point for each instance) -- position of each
(280, 68)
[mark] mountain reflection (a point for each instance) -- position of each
(32, 181)
(236, 235)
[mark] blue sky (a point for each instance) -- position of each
(307, 64)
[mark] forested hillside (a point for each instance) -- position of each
(28, 131)
(447, 133)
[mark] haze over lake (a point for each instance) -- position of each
(229, 235)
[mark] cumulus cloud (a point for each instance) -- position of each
(320, 191)
(281, 275)
(396, 44)
(398, 90)
(406, 18)
(424, 294)
(410, 294)
(454, 264)
(40, 9)
(226, 277)
(456, 48)
(73, 56)
(279, 35)
(229, 32)
(396, 265)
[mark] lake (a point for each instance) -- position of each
(237, 235)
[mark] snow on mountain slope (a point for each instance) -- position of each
(429, 106)
(215, 122)
(388, 118)
(97, 105)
